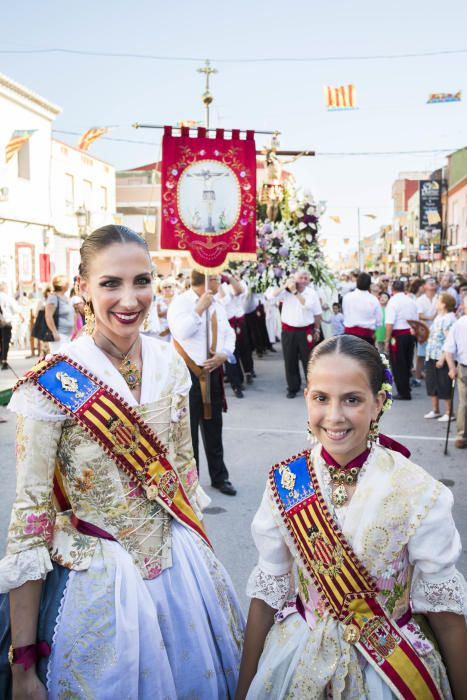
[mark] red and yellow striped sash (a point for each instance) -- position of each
(348, 590)
(119, 430)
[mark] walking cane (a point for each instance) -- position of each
(453, 386)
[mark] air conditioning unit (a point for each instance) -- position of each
(4, 192)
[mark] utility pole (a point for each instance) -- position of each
(207, 98)
(359, 261)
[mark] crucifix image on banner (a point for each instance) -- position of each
(209, 196)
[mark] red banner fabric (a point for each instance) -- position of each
(209, 196)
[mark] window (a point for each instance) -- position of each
(103, 198)
(69, 192)
(87, 194)
(23, 162)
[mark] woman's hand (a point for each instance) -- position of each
(26, 685)
(439, 364)
(56, 337)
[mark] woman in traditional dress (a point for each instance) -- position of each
(137, 605)
(367, 540)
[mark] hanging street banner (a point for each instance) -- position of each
(437, 97)
(430, 220)
(209, 196)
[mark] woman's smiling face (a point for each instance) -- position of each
(341, 405)
(119, 285)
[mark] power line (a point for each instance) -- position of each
(317, 153)
(268, 59)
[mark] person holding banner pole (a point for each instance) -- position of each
(187, 322)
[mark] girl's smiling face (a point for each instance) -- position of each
(341, 405)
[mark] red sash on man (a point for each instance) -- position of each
(365, 333)
(308, 329)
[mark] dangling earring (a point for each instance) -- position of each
(310, 436)
(373, 433)
(146, 325)
(89, 318)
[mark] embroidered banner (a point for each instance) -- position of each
(209, 196)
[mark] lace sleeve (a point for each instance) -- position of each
(437, 586)
(33, 516)
(448, 595)
(29, 402)
(274, 590)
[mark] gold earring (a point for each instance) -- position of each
(89, 318)
(310, 436)
(146, 325)
(373, 433)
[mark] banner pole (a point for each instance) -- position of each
(208, 348)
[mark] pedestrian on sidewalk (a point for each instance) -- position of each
(399, 341)
(9, 310)
(455, 349)
(380, 331)
(426, 307)
(301, 322)
(59, 314)
(367, 540)
(438, 382)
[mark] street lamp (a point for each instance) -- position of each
(82, 217)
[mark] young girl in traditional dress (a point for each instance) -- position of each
(354, 540)
(137, 606)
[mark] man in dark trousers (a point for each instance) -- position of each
(301, 323)
(399, 343)
(187, 322)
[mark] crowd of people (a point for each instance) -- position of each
(109, 586)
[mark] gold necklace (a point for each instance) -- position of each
(128, 369)
(342, 478)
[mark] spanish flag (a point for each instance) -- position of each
(340, 98)
(91, 135)
(16, 142)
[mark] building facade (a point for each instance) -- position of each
(456, 230)
(44, 188)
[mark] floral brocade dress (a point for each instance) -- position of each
(399, 524)
(153, 613)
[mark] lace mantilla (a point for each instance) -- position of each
(444, 596)
(29, 565)
(274, 590)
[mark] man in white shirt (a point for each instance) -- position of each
(188, 316)
(232, 295)
(399, 338)
(362, 310)
(455, 348)
(426, 307)
(446, 284)
(301, 320)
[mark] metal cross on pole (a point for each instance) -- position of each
(207, 97)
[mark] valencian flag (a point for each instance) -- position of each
(16, 142)
(340, 98)
(209, 196)
(91, 135)
(437, 97)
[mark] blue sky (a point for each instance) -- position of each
(288, 96)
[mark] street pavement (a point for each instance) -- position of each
(259, 430)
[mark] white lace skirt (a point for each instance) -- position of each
(298, 662)
(119, 637)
